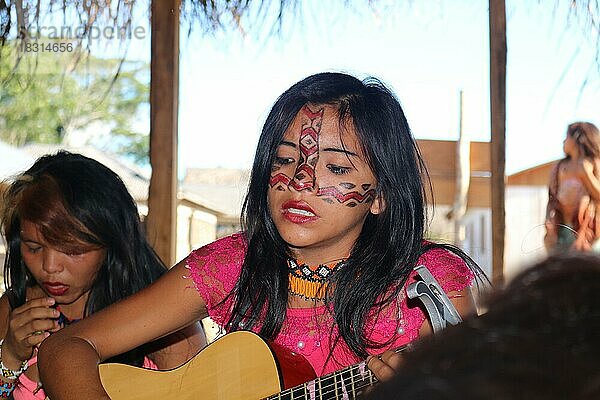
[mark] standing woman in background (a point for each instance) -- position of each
(573, 211)
(75, 246)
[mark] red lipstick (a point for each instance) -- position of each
(56, 288)
(298, 212)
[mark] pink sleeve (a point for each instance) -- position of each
(215, 269)
(447, 268)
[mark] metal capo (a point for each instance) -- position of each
(439, 307)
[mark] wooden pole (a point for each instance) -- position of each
(463, 178)
(497, 16)
(164, 91)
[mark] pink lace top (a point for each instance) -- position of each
(215, 269)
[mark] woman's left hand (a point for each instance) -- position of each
(385, 365)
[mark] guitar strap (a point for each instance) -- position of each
(440, 309)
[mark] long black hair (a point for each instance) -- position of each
(78, 202)
(390, 243)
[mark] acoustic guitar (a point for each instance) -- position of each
(238, 366)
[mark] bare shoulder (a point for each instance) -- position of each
(565, 169)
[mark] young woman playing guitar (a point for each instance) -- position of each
(333, 226)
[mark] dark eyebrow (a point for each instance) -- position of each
(336, 150)
(286, 143)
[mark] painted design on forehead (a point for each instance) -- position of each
(304, 177)
(349, 199)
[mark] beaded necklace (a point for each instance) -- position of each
(310, 281)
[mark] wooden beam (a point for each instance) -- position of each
(164, 91)
(497, 15)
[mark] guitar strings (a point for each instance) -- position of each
(323, 393)
(363, 376)
(336, 385)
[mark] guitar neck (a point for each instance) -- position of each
(347, 383)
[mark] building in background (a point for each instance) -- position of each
(440, 157)
(526, 200)
(223, 189)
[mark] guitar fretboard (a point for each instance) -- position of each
(345, 384)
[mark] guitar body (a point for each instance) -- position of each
(238, 366)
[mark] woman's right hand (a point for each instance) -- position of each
(28, 326)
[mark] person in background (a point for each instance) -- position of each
(573, 211)
(537, 341)
(333, 225)
(75, 245)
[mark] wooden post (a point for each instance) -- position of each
(164, 82)
(497, 16)
(463, 178)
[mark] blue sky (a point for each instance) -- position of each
(426, 51)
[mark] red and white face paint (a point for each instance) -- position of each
(304, 177)
(321, 187)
